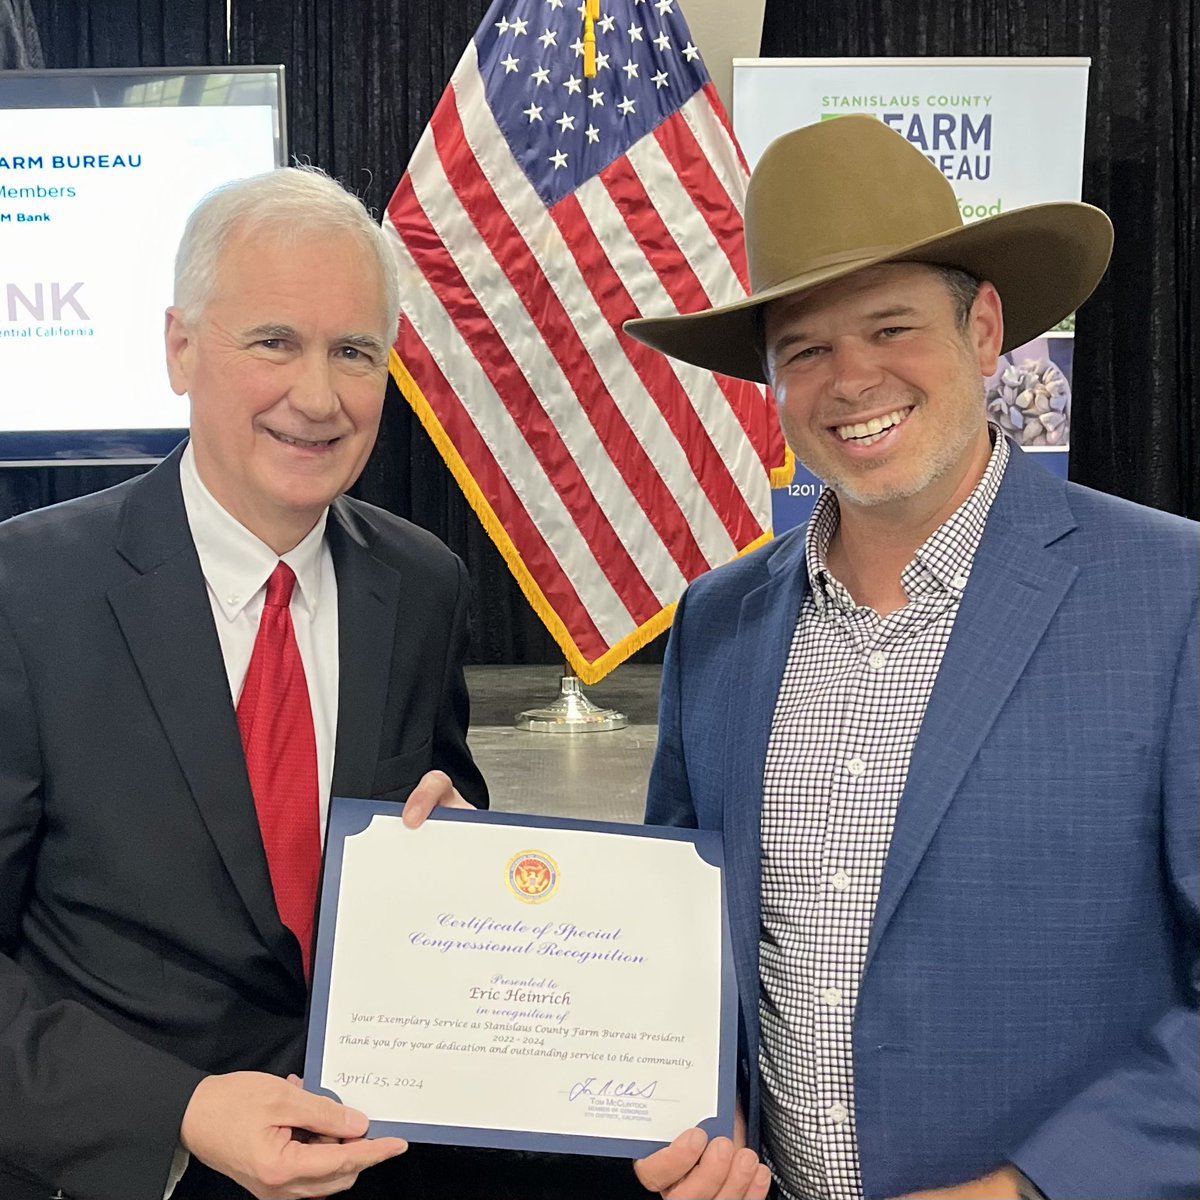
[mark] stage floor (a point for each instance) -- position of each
(601, 776)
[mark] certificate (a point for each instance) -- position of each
(523, 982)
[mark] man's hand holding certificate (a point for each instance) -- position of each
(526, 983)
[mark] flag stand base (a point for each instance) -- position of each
(572, 712)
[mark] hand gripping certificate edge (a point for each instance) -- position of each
(348, 817)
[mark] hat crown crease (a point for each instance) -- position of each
(806, 212)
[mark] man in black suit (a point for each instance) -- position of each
(152, 997)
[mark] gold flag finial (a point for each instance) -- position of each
(589, 43)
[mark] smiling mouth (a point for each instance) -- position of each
(867, 433)
(303, 443)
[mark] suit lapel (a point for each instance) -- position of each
(368, 606)
(167, 622)
(1016, 586)
(765, 627)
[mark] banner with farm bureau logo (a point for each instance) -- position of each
(1006, 132)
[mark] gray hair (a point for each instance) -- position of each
(962, 286)
(291, 202)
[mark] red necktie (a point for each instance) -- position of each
(276, 724)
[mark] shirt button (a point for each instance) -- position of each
(832, 996)
(877, 659)
(959, 581)
(231, 599)
(856, 767)
(840, 880)
(838, 1113)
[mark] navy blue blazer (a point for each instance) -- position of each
(1029, 992)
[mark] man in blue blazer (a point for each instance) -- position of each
(948, 731)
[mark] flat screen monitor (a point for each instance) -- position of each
(98, 173)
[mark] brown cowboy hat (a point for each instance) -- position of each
(833, 198)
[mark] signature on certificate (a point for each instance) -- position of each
(591, 1086)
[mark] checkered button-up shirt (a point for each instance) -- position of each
(850, 706)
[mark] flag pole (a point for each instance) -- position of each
(572, 712)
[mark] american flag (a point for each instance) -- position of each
(541, 209)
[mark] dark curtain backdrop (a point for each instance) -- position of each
(363, 79)
(20, 46)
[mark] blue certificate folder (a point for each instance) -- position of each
(594, 1088)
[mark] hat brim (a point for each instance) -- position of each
(1044, 261)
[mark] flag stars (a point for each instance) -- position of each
(630, 69)
(554, 3)
(533, 112)
(626, 106)
(574, 86)
(565, 122)
(593, 134)
(558, 158)
(606, 23)
(660, 80)
(635, 33)
(577, 46)
(549, 38)
(690, 52)
(662, 41)
(601, 63)
(665, 6)
(519, 26)
(540, 76)
(596, 96)
(510, 64)
(503, 25)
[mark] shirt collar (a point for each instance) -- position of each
(944, 559)
(822, 525)
(236, 564)
(941, 563)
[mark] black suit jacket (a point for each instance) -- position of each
(140, 946)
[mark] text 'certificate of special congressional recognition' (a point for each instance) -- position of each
(523, 982)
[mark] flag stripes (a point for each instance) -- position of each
(608, 475)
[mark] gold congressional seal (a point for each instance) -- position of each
(532, 876)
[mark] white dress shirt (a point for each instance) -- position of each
(236, 567)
